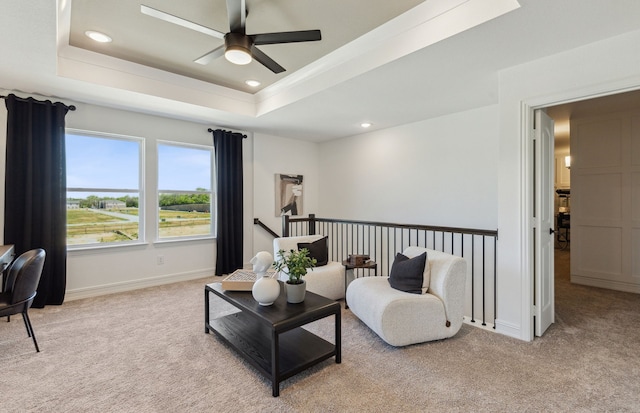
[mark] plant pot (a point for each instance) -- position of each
(295, 292)
(265, 290)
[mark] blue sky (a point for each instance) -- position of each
(183, 168)
(94, 162)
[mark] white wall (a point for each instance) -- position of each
(404, 174)
(98, 271)
(272, 155)
(562, 174)
(464, 169)
(603, 67)
(441, 171)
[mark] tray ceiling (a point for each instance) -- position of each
(151, 42)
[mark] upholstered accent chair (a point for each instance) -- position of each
(327, 278)
(401, 318)
(23, 277)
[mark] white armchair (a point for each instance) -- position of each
(402, 318)
(325, 280)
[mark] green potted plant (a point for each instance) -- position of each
(294, 264)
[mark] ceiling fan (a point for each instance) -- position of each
(239, 47)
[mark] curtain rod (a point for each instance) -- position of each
(70, 107)
(243, 135)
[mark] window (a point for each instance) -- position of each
(104, 190)
(185, 179)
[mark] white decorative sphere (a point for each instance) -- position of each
(266, 290)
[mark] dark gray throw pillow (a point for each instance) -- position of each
(406, 273)
(317, 249)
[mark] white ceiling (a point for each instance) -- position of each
(439, 57)
(152, 42)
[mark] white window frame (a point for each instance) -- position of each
(140, 191)
(211, 193)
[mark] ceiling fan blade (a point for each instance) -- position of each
(287, 37)
(266, 61)
(237, 11)
(209, 57)
(149, 11)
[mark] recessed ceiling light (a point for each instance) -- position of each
(365, 124)
(252, 83)
(97, 36)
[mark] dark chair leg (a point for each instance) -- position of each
(27, 323)
(24, 318)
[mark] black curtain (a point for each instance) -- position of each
(228, 150)
(35, 189)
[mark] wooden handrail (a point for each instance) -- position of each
(262, 225)
(312, 218)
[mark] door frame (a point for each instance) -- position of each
(528, 194)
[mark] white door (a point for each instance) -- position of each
(544, 223)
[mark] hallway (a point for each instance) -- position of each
(605, 313)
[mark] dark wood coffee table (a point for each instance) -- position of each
(271, 338)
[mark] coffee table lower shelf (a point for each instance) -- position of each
(298, 348)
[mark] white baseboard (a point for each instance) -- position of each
(609, 284)
(508, 329)
(478, 324)
(104, 289)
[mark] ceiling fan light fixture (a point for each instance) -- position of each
(237, 48)
(238, 56)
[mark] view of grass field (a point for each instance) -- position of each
(182, 214)
(87, 226)
(86, 216)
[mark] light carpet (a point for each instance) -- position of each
(146, 351)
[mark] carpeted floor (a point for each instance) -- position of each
(146, 351)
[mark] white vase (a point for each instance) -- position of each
(266, 290)
(296, 292)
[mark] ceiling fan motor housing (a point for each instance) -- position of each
(237, 48)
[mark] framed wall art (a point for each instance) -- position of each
(288, 194)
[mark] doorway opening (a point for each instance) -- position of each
(566, 292)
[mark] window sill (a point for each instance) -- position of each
(101, 247)
(104, 247)
(184, 239)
